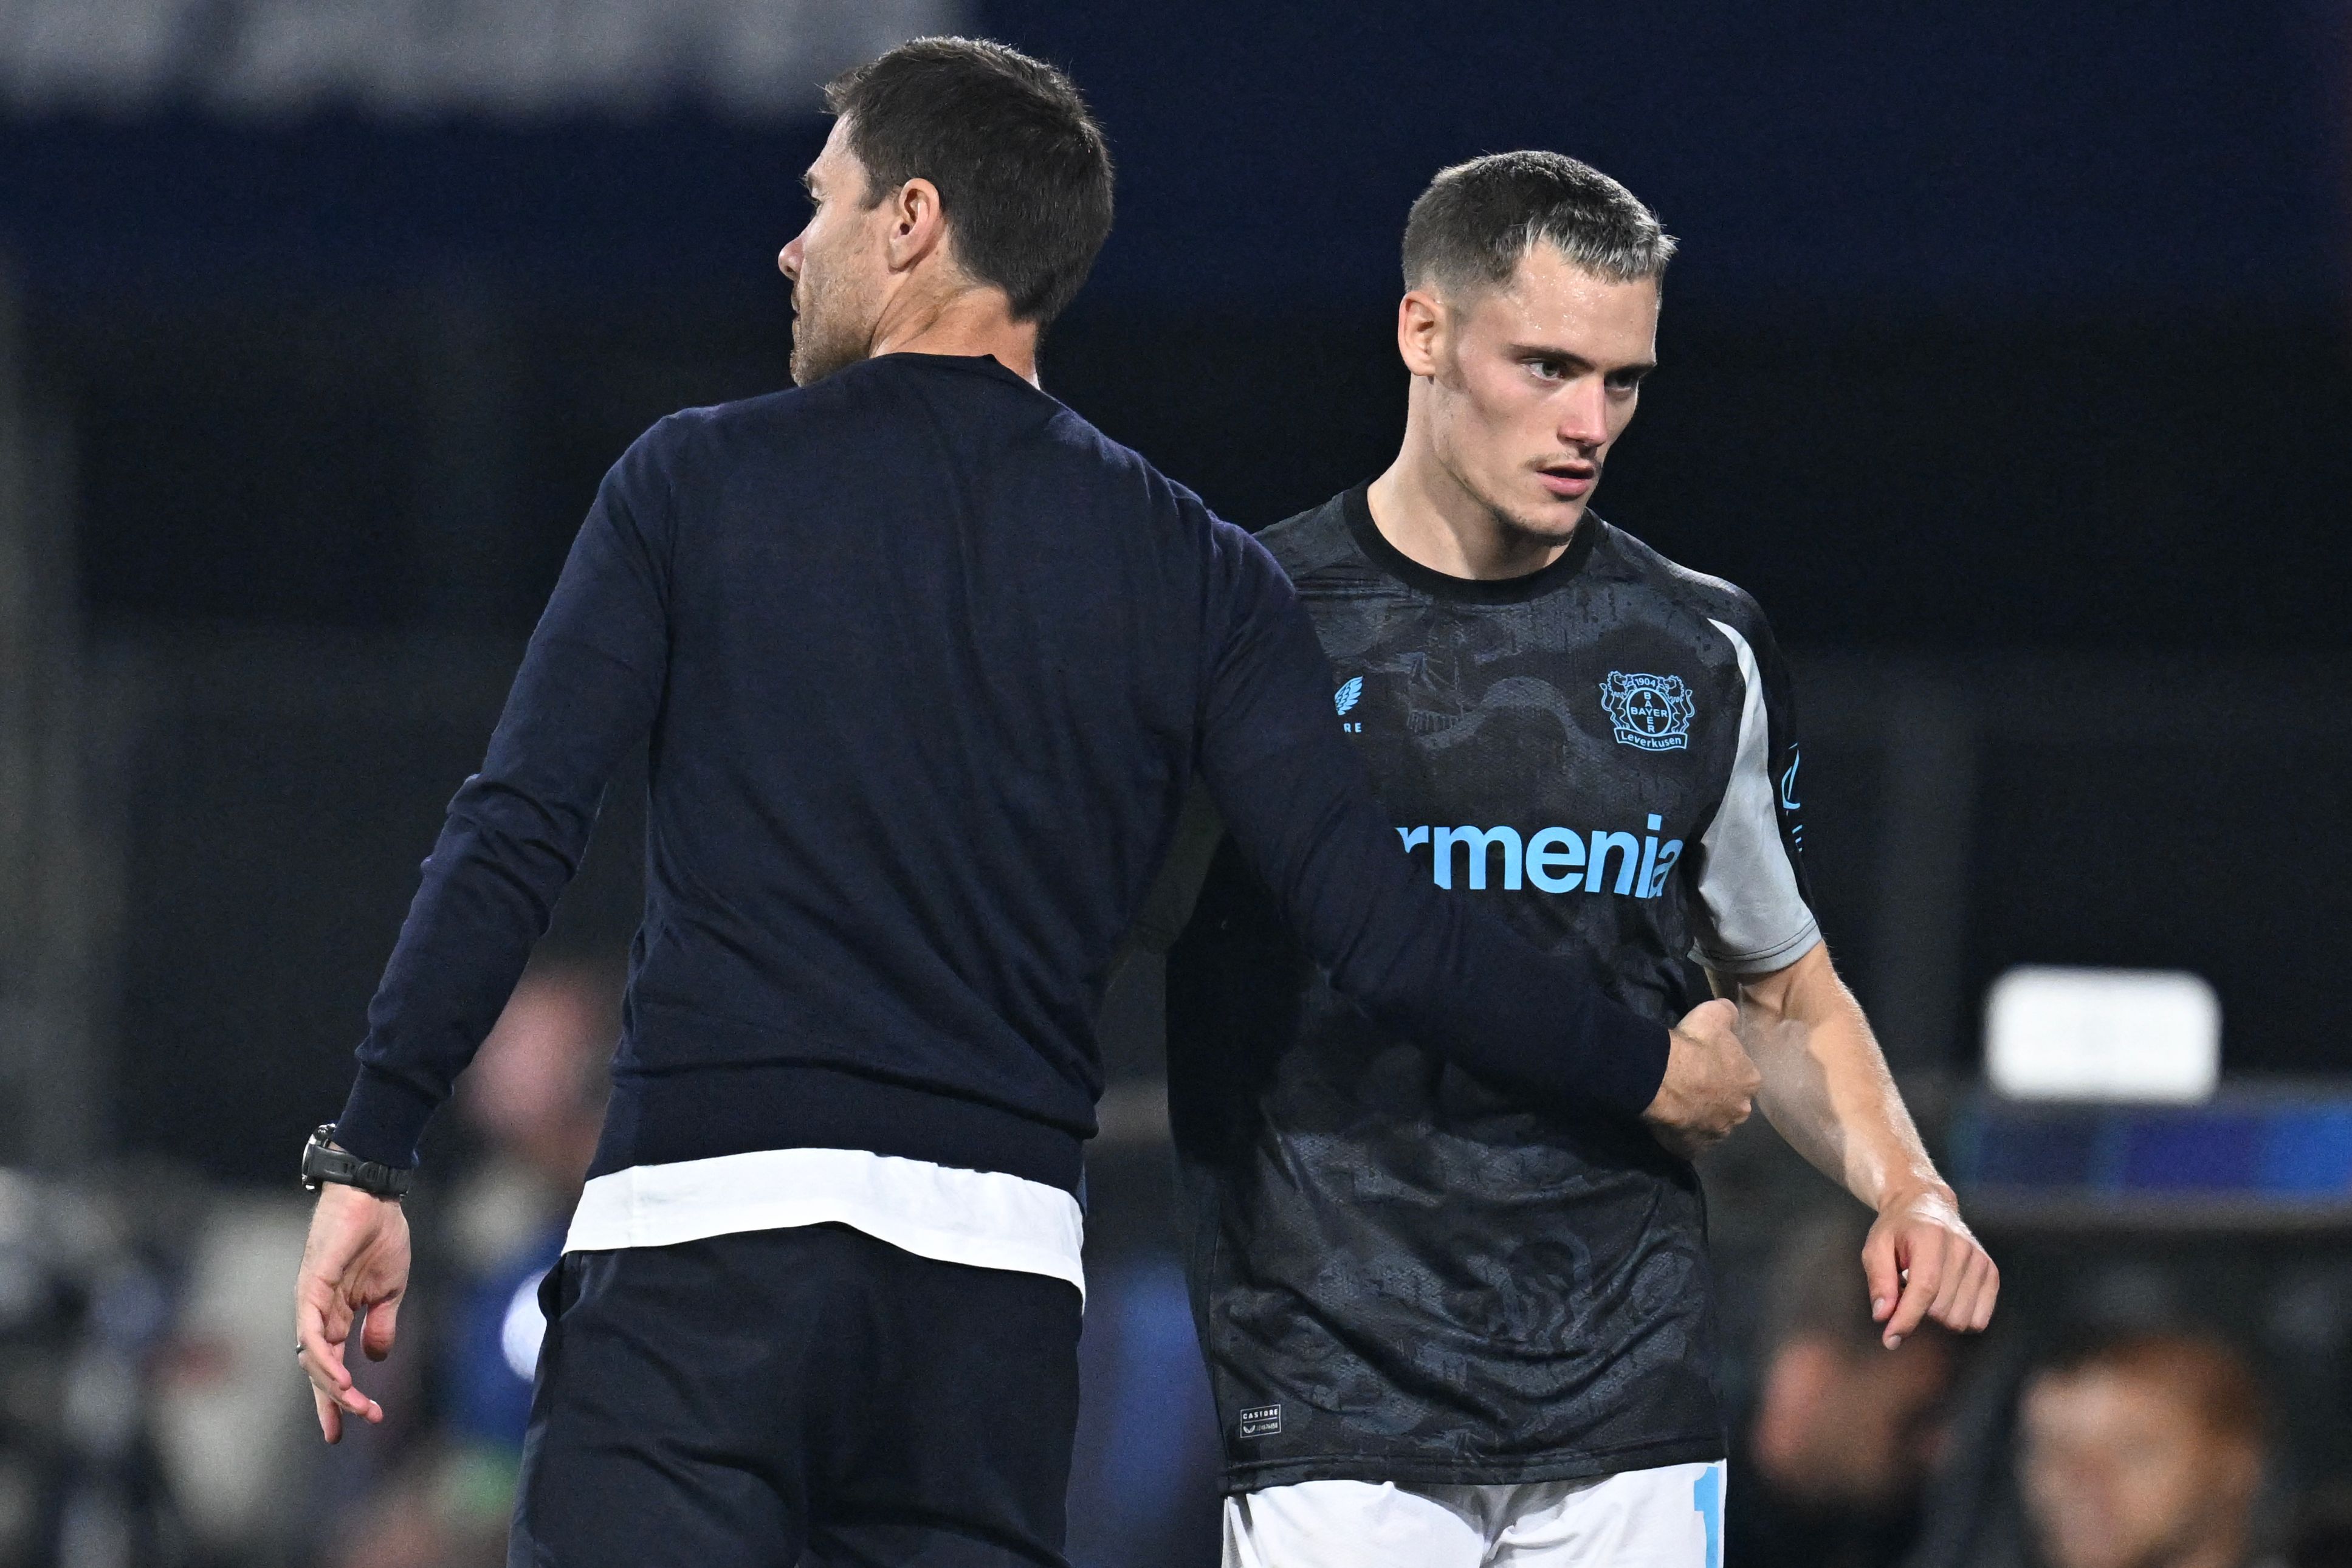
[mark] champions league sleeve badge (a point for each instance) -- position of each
(1649, 712)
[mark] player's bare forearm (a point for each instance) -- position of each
(1827, 1091)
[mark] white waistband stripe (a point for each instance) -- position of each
(982, 1218)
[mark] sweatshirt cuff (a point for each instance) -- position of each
(384, 1118)
(1629, 1056)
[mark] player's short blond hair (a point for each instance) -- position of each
(1478, 219)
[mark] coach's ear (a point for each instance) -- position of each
(919, 226)
(1420, 331)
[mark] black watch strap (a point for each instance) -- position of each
(321, 1162)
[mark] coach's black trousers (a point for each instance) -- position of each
(797, 1399)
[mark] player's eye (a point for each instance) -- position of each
(1548, 369)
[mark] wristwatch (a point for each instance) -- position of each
(323, 1164)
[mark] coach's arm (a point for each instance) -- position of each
(1826, 1089)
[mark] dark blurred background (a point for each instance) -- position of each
(2005, 362)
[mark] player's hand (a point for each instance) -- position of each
(354, 1265)
(1922, 1262)
(1710, 1085)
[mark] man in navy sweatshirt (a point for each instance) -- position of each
(926, 664)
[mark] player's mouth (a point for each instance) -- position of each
(1569, 481)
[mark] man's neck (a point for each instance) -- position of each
(1427, 515)
(966, 322)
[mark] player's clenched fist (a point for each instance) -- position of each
(1710, 1085)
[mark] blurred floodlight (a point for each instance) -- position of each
(409, 60)
(2103, 1034)
(524, 1328)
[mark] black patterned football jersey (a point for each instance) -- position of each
(1400, 1272)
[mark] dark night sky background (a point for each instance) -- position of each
(2010, 323)
(2003, 156)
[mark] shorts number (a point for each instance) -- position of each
(1706, 1496)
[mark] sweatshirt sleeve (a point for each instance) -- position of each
(589, 686)
(1299, 805)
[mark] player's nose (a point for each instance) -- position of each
(788, 259)
(1584, 413)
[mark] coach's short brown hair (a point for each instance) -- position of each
(1023, 171)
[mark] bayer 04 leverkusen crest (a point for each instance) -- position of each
(1650, 712)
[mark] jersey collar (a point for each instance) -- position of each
(1473, 590)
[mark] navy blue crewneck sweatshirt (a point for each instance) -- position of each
(926, 664)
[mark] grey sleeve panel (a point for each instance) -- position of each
(1169, 907)
(1752, 917)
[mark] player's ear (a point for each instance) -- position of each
(1421, 326)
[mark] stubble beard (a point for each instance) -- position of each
(830, 332)
(1515, 525)
(1550, 531)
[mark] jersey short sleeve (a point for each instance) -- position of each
(1754, 912)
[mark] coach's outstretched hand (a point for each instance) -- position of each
(1923, 1262)
(354, 1264)
(1710, 1085)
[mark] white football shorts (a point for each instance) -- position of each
(1670, 1516)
